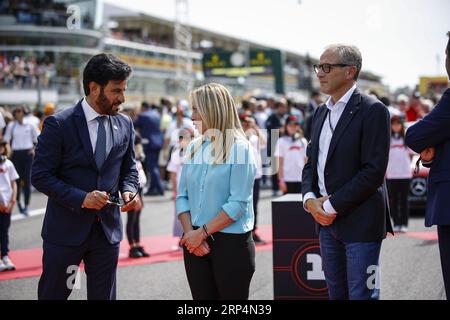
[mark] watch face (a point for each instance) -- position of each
(237, 59)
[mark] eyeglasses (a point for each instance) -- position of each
(117, 201)
(326, 67)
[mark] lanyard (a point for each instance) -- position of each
(329, 121)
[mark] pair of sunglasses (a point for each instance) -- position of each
(120, 202)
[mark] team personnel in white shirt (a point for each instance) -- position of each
(22, 137)
(291, 154)
(31, 118)
(399, 175)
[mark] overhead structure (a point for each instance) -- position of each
(183, 42)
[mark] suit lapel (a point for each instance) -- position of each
(83, 132)
(350, 110)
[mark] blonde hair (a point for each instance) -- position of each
(218, 111)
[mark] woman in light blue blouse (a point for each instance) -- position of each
(214, 202)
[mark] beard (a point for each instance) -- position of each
(107, 107)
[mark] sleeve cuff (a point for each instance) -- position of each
(233, 209)
(309, 195)
(328, 208)
(182, 205)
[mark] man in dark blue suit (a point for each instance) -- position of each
(148, 123)
(84, 163)
(343, 180)
(431, 138)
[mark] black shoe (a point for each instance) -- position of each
(257, 239)
(143, 252)
(24, 211)
(135, 253)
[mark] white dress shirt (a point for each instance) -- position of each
(326, 134)
(32, 119)
(92, 124)
(23, 135)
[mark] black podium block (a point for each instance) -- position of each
(297, 264)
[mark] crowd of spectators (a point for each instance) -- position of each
(18, 72)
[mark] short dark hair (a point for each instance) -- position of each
(17, 109)
(145, 105)
(102, 68)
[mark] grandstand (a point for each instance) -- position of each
(41, 55)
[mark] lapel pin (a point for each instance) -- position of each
(115, 128)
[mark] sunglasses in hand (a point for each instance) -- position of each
(120, 202)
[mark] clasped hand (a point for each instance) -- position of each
(195, 243)
(428, 154)
(315, 207)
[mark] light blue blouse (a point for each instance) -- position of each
(205, 189)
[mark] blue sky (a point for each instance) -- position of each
(399, 39)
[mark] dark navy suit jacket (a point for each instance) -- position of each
(355, 168)
(149, 125)
(434, 131)
(65, 170)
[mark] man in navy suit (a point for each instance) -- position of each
(84, 159)
(343, 180)
(148, 124)
(431, 138)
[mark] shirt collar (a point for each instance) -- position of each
(89, 112)
(343, 100)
